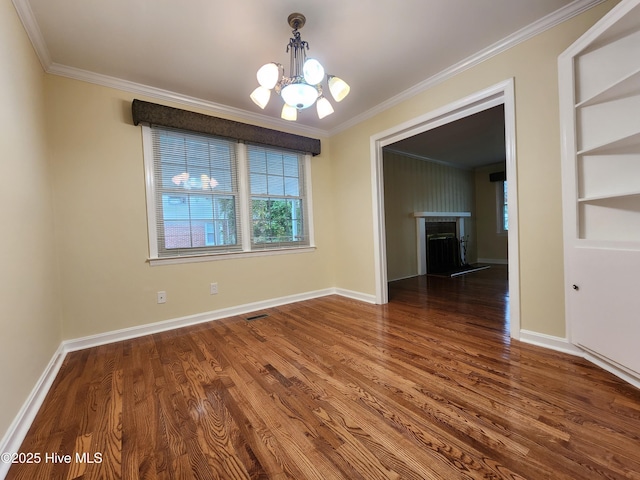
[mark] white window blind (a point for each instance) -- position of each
(278, 206)
(196, 194)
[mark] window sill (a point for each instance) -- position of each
(227, 256)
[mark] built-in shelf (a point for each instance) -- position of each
(599, 198)
(623, 87)
(599, 78)
(618, 144)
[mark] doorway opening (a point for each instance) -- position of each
(501, 94)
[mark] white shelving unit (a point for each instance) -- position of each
(600, 115)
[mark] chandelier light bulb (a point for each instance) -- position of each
(313, 71)
(289, 113)
(299, 95)
(261, 96)
(338, 88)
(268, 75)
(324, 107)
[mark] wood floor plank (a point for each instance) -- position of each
(429, 386)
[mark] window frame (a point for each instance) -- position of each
(247, 247)
(502, 208)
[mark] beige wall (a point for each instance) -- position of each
(491, 245)
(413, 185)
(99, 197)
(29, 314)
(533, 64)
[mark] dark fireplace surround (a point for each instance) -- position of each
(442, 247)
(451, 224)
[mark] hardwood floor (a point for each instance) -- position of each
(427, 387)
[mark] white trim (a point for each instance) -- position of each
(501, 93)
(513, 235)
(308, 195)
(442, 214)
(559, 344)
(18, 429)
(563, 345)
(363, 297)
(150, 190)
(35, 35)
(618, 372)
(214, 257)
(242, 171)
(172, 324)
(28, 19)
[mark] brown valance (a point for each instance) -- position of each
(154, 114)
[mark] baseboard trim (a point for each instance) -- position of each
(612, 368)
(172, 324)
(560, 344)
(363, 297)
(18, 429)
(15, 435)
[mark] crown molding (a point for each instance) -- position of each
(35, 35)
(23, 9)
(545, 23)
(169, 96)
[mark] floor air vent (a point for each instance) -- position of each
(256, 317)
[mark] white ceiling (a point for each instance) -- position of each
(206, 52)
(470, 142)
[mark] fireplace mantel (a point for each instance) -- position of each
(441, 214)
(421, 218)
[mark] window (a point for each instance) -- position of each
(277, 197)
(209, 195)
(502, 206)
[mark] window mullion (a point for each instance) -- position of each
(244, 194)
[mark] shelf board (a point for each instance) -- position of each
(621, 143)
(624, 87)
(599, 198)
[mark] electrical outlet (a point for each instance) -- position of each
(162, 297)
(213, 290)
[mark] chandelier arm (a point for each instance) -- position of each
(302, 88)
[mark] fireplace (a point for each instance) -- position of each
(442, 247)
(448, 228)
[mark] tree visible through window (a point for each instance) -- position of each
(276, 196)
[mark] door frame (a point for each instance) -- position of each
(502, 93)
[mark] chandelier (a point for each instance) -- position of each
(303, 87)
